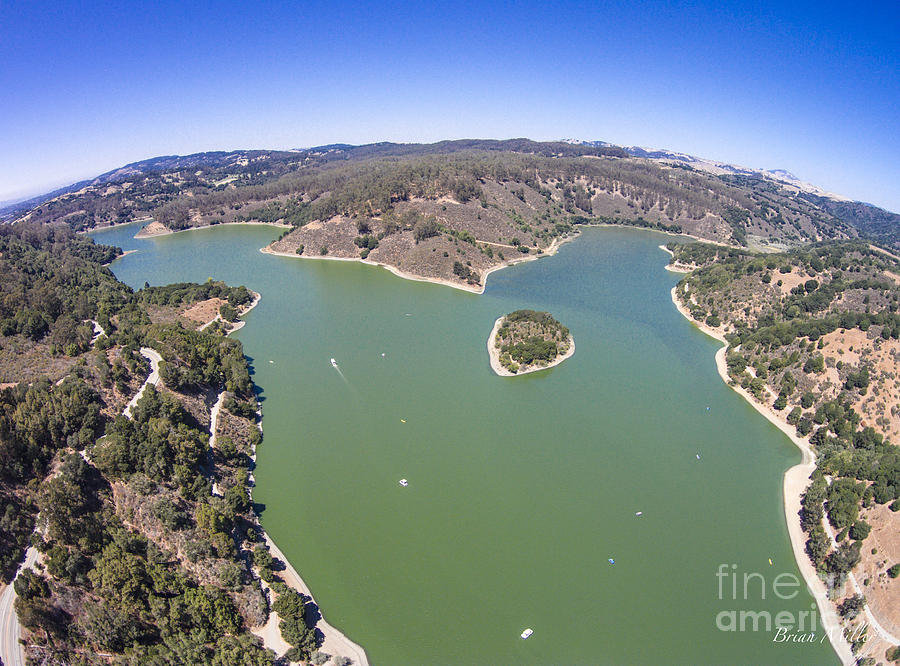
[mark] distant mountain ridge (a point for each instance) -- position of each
(716, 167)
(153, 164)
(636, 185)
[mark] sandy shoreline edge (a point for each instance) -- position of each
(494, 355)
(155, 229)
(393, 269)
(796, 480)
(334, 641)
(549, 252)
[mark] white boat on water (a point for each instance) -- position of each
(334, 363)
(527, 633)
(404, 482)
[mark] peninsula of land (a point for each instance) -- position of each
(527, 341)
(450, 212)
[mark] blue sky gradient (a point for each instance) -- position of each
(812, 88)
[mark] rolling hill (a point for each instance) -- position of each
(455, 209)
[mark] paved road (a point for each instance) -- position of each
(155, 359)
(213, 423)
(98, 331)
(11, 652)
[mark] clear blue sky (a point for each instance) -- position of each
(812, 88)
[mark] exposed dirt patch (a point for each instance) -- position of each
(882, 592)
(855, 349)
(789, 280)
(153, 229)
(203, 311)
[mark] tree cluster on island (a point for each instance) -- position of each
(527, 339)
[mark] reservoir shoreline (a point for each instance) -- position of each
(796, 480)
(334, 642)
(354, 481)
(155, 229)
(550, 251)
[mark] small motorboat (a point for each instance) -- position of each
(404, 482)
(611, 561)
(527, 633)
(639, 513)
(334, 363)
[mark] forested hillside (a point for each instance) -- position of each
(505, 199)
(813, 335)
(149, 548)
(381, 201)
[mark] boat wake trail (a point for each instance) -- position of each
(346, 381)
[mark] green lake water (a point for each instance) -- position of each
(520, 489)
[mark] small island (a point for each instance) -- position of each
(527, 341)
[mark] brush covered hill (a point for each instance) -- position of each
(814, 335)
(140, 562)
(455, 209)
(525, 340)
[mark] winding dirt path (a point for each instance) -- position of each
(213, 424)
